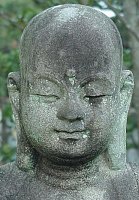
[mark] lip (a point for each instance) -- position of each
(72, 135)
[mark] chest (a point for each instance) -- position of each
(102, 188)
(40, 192)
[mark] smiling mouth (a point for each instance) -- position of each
(72, 135)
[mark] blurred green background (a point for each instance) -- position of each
(14, 16)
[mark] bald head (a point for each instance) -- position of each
(71, 37)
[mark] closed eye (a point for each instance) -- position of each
(47, 98)
(91, 96)
(94, 99)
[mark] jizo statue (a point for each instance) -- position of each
(70, 101)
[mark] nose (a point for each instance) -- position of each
(71, 110)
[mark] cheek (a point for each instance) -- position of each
(101, 115)
(38, 117)
(38, 122)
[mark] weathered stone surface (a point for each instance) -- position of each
(70, 101)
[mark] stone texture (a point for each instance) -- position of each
(70, 101)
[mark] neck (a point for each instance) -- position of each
(70, 177)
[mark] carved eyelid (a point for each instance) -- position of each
(90, 82)
(51, 80)
(98, 92)
(54, 80)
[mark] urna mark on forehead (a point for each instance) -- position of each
(87, 43)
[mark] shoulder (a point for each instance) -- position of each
(135, 171)
(126, 182)
(11, 180)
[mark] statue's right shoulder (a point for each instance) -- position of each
(135, 170)
(11, 180)
(6, 169)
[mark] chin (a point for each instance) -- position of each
(74, 161)
(71, 159)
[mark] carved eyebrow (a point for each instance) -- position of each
(52, 79)
(93, 79)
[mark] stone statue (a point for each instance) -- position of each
(70, 101)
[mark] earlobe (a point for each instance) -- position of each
(127, 82)
(25, 154)
(117, 144)
(14, 80)
(13, 85)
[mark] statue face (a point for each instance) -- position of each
(68, 111)
(69, 119)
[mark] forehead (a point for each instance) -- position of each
(87, 55)
(84, 42)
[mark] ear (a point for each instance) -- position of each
(25, 154)
(13, 85)
(117, 145)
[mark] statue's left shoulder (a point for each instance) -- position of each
(135, 171)
(11, 181)
(126, 182)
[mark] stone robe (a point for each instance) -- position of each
(108, 185)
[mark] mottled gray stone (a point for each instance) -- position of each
(70, 101)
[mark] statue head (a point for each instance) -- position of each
(71, 96)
